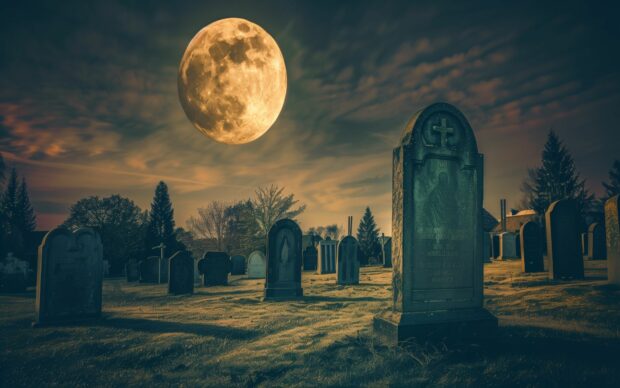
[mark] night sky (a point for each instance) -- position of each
(89, 103)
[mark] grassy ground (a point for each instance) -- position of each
(551, 334)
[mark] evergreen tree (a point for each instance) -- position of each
(25, 217)
(2, 168)
(613, 187)
(13, 240)
(556, 179)
(161, 223)
(368, 237)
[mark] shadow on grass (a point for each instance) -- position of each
(323, 298)
(28, 294)
(205, 291)
(161, 327)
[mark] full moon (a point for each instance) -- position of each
(232, 81)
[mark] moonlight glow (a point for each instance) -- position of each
(232, 81)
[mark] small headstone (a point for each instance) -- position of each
(508, 246)
(612, 234)
(584, 244)
(348, 262)
(495, 246)
(437, 272)
(283, 261)
(387, 252)
(531, 248)
(181, 273)
(70, 272)
(13, 274)
(131, 271)
(563, 248)
(310, 257)
(214, 268)
(596, 242)
(149, 270)
(238, 265)
(327, 256)
(257, 265)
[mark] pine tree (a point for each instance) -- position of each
(613, 187)
(556, 179)
(8, 206)
(25, 217)
(161, 223)
(368, 236)
(2, 168)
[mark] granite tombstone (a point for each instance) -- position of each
(256, 265)
(238, 265)
(214, 268)
(531, 248)
(348, 264)
(131, 271)
(327, 256)
(437, 273)
(149, 270)
(563, 245)
(283, 261)
(508, 246)
(181, 273)
(596, 242)
(69, 276)
(612, 233)
(310, 257)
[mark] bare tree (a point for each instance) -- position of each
(271, 205)
(211, 223)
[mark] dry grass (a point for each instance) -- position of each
(551, 334)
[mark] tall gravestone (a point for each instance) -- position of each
(149, 270)
(596, 242)
(612, 232)
(327, 256)
(495, 246)
(69, 276)
(238, 265)
(563, 245)
(387, 252)
(283, 261)
(132, 272)
(531, 248)
(214, 268)
(348, 264)
(181, 273)
(437, 188)
(257, 265)
(310, 257)
(508, 246)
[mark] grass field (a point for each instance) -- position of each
(551, 334)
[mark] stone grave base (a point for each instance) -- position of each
(397, 328)
(283, 293)
(68, 320)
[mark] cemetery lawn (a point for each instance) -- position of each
(552, 333)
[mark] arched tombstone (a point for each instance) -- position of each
(214, 268)
(531, 248)
(612, 232)
(327, 256)
(596, 242)
(283, 261)
(69, 276)
(238, 265)
(563, 246)
(257, 265)
(348, 264)
(181, 273)
(437, 189)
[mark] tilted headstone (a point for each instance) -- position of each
(69, 276)
(348, 263)
(437, 189)
(214, 268)
(131, 271)
(596, 242)
(508, 246)
(584, 244)
(495, 246)
(563, 246)
(387, 253)
(238, 265)
(257, 265)
(149, 270)
(310, 257)
(283, 261)
(486, 247)
(327, 256)
(612, 233)
(531, 248)
(181, 273)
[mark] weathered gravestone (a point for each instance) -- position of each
(131, 271)
(584, 244)
(387, 252)
(563, 246)
(495, 246)
(283, 261)
(348, 263)
(69, 276)
(257, 265)
(531, 248)
(149, 270)
(437, 189)
(238, 265)
(612, 231)
(486, 247)
(327, 256)
(596, 242)
(181, 273)
(310, 257)
(508, 246)
(214, 268)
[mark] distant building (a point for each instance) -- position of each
(515, 220)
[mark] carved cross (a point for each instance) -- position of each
(444, 131)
